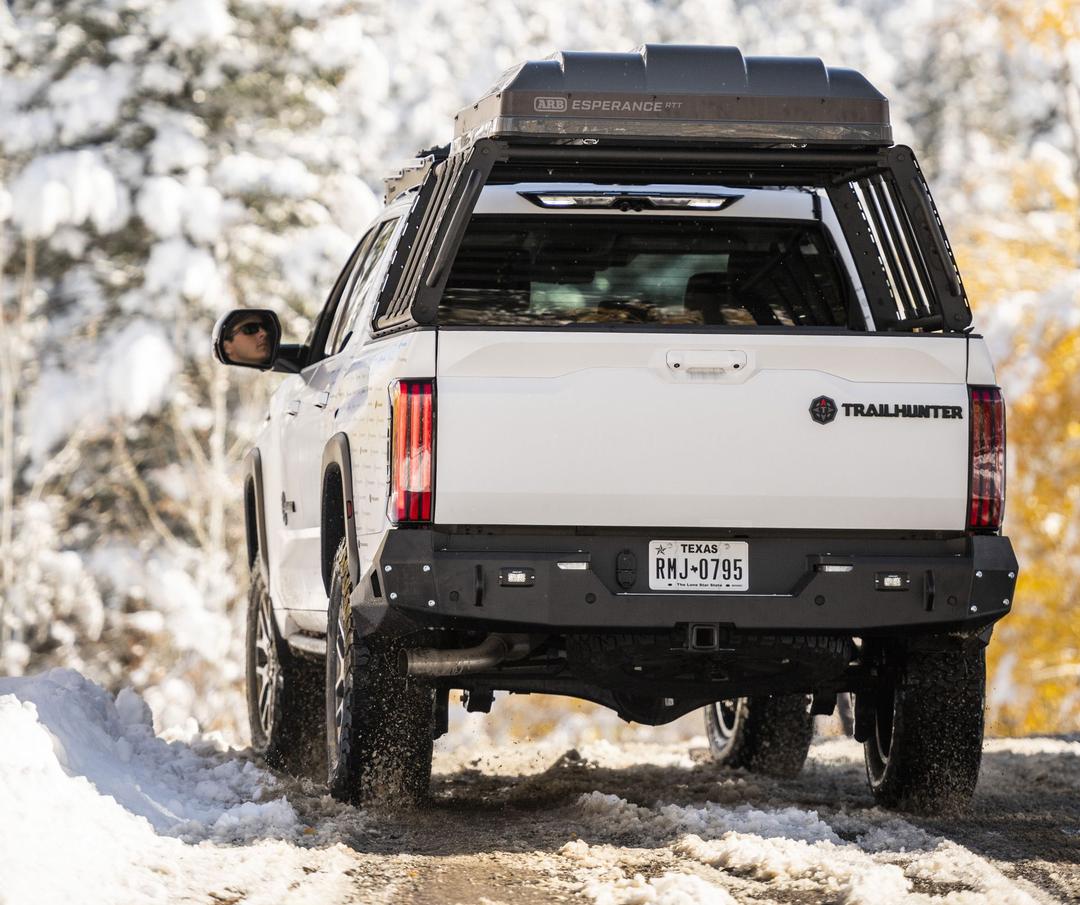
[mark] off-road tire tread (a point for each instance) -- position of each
(775, 735)
(936, 747)
(294, 745)
(387, 738)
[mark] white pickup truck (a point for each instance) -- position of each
(656, 388)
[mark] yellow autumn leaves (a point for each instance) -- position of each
(1023, 271)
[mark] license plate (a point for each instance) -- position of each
(699, 565)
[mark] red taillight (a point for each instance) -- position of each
(412, 442)
(986, 506)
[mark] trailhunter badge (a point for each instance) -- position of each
(823, 410)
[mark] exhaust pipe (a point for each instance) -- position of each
(492, 651)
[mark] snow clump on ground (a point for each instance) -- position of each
(97, 809)
(792, 850)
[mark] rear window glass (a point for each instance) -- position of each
(552, 270)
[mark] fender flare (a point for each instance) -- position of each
(336, 452)
(253, 473)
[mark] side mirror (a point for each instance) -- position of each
(247, 338)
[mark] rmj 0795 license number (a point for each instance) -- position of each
(692, 565)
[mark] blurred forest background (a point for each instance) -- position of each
(163, 160)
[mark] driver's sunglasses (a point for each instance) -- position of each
(249, 329)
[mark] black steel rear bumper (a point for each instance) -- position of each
(798, 583)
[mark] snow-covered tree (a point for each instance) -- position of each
(162, 162)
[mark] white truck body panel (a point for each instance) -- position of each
(599, 429)
(357, 383)
(980, 364)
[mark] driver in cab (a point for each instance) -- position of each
(248, 341)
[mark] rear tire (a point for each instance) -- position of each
(379, 723)
(284, 693)
(925, 747)
(767, 734)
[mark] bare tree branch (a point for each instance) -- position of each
(57, 463)
(137, 484)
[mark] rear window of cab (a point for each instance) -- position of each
(561, 270)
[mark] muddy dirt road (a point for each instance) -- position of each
(644, 823)
(97, 808)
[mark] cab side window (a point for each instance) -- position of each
(361, 260)
(320, 327)
(367, 282)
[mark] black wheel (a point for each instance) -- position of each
(379, 723)
(925, 745)
(767, 734)
(723, 725)
(284, 693)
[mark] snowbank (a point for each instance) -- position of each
(180, 789)
(94, 808)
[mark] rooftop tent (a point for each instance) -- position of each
(680, 93)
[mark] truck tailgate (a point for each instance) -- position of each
(709, 430)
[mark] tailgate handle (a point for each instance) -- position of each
(690, 360)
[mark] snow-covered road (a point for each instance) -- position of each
(94, 808)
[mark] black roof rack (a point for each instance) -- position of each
(679, 94)
(411, 174)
